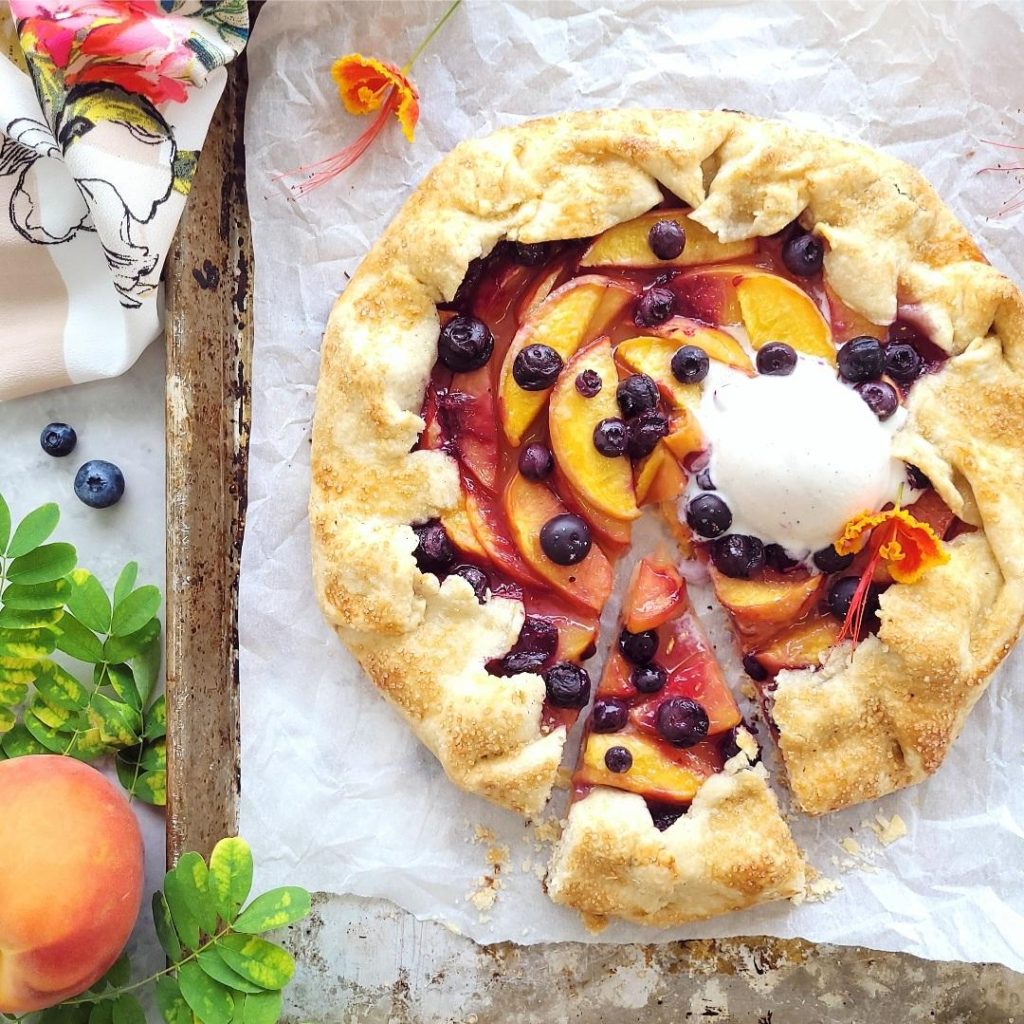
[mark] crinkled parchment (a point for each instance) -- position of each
(336, 793)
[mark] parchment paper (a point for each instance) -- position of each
(336, 793)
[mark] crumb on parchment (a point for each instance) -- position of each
(888, 830)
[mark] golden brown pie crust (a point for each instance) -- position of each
(868, 723)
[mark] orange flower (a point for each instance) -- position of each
(907, 546)
(364, 83)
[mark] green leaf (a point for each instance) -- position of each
(33, 530)
(27, 643)
(230, 876)
(62, 1013)
(59, 688)
(193, 873)
(156, 719)
(119, 725)
(171, 1002)
(37, 595)
(43, 565)
(7, 720)
(89, 602)
(210, 1001)
(102, 1012)
(5, 523)
(125, 582)
(12, 694)
(125, 648)
(78, 641)
(127, 1010)
(43, 734)
(30, 618)
(213, 964)
(146, 667)
(149, 787)
(262, 1008)
(118, 975)
(121, 679)
(184, 923)
(19, 742)
(135, 610)
(260, 961)
(86, 744)
(274, 909)
(164, 927)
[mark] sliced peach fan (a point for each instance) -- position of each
(364, 83)
(908, 546)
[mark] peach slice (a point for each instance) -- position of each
(625, 244)
(709, 293)
(931, 509)
(461, 534)
(760, 608)
(573, 639)
(657, 770)
(569, 316)
(613, 534)
(656, 592)
(490, 532)
(528, 506)
(719, 345)
(468, 412)
(603, 482)
(775, 309)
(685, 437)
(802, 645)
(540, 288)
(659, 477)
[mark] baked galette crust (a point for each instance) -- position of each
(870, 722)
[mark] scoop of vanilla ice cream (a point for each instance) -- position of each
(796, 457)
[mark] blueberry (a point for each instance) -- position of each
(803, 255)
(609, 715)
(902, 363)
(776, 359)
(476, 578)
(638, 648)
(588, 383)
(644, 432)
(565, 539)
(58, 439)
(681, 721)
(530, 254)
(708, 515)
(568, 685)
(538, 640)
(840, 597)
(434, 551)
(536, 462)
(649, 678)
(690, 364)
(654, 307)
(737, 555)
(99, 484)
(704, 481)
(917, 479)
(536, 367)
(861, 359)
(666, 815)
(779, 558)
(666, 239)
(636, 394)
(754, 668)
(829, 560)
(618, 760)
(610, 437)
(465, 344)
(881, 398)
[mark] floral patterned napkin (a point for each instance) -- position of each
(103, 110)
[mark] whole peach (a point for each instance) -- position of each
(71, 873)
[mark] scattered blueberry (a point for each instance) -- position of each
(881, 398)
(803, 255)
(536, 462)
(829, 560)
(690, 364)
(536, 367)
(610, 437)
(903, 363)
(840, 597)
(666, 815)
(737, 555)
(568, 685)
(704, 481)
(644, 432)
(776, 556)
(638, 648)
(917, 479)
(636, 394)
(681, 721)
(708, 515)
(465, 344)
(618, 760)
(649, 678)
(434, 552)
(565, 539)
(99, 484)
(776, 359)
(666, 239)
(476, 578)
(861, 359)
(530, 254)
(588, 383)
(538, 640)
(609, 715)
(58, 439)
(654, 307)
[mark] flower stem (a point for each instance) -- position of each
(433, 32)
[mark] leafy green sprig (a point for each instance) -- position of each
(50, 610)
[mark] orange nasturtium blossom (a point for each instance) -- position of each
(907, 546)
